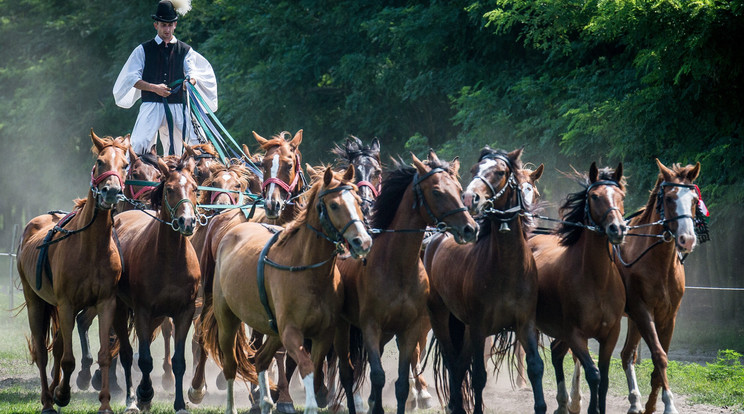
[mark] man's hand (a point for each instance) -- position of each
(161, 89)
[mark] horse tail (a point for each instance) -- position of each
(441, 384)
(441, 374)
(504, 348)
(358, 355)
(50, 337)
(243, 351)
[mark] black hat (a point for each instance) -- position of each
(166, 12)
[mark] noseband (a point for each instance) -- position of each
(420, 200)
(278, 181)
(701, 227)
(330, 232)
(94, 181)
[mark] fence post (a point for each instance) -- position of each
(11, 256)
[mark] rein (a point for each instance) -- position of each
(337, 239)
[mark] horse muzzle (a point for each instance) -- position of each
(616, 233)
(359, 245)
(465, 234)
(108, 196)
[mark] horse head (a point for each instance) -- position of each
(604, 206)
(177, 193)
(106, 181)
(439, 192)
(339, 211)
(205, 156)
(281, 169)
(367, 165)
(495, 182)
(233, 180)
(255, 181)
(678, 201)
(143, 167)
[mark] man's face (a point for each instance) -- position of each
(165, 29)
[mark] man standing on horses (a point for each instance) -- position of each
(157, 71)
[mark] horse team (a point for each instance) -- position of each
(333, 268)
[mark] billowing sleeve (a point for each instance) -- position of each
(197, 67)
(125, 94)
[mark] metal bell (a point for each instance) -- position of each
(504, 228)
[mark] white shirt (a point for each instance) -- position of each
(194, 66)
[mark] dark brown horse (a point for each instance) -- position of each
(280, 167)
(296, 291)
(655, 277)
(386, 294)
(161, 276)
(487, 288)
(79, 267)
(581, 294)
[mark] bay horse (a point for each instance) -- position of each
(142, 174)
(581, 294)
(160, 278)
(654, 276)
(69, 263)
(489, 287)
(386, 293)
(297, 296)
(282, 173)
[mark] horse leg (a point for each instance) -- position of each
(558, 350)
(647, 328)
(318, 353)
(167, 329)
(372, 342)
(527, 336)
(478, 364)
(264, 357)
(345, 368)
(581, 351)
(198, 388)
(628, 357)
(84, 319)
(228, 325)
(413, 394)
(121, 319)
(284, 403)
(106, 310)
(57, 350)
(606, 346)
(145, 392)
(39, 316)
(67, 362)
(181, 324)
(449, 334)
(520, 356)
(665, 337)
(424, 400)
(574, 398)
(293, 341)
(331, 363)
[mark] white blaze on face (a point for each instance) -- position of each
(226, 176)
(274, 172)
(486, 165)
(351, 206)
(685, 198)
(528, 193)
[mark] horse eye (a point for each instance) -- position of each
(595, 197)
(334, 206)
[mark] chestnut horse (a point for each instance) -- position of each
(581, 294)
(160, 278)
(143, 173)
(68, 264)
(655, 277)
(282, 183)
(489, 287)
(297, 296)
(386, 293)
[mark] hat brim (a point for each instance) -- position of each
(160, 19)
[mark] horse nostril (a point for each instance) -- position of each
(469, 232)
(356, 242)
(613, 229)
(623, 228)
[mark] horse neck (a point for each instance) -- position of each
(406, 244)
(597, 264)
(101, 227)
(306, 247)
(507, 243)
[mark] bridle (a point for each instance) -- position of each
(278, 181)
(203, 219)
(95, 181)
(503, 216)
(131, 183)
(420, 200)
(592, 224)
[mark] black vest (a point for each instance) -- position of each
(163, 65)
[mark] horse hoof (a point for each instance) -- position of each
(144, 396)
(106, 411)
(83, 380)
(61, 399)
(132, 410)
(425, 403)
(182, 411)
(322, 398)
(168, 381)
(144, 406)
(411, 404)
(49, 411)
(96, 380)
(285, 407)
(221, 382)
(197, 396)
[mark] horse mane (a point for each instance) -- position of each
(149, 158)
(156, 196)
(277, 140)
(345, 155)
(244, 176)
(394, 184)
(573, 208)
(111, 141)
(679, 171)
(206, 149)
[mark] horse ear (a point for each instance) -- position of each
(432, 157)
(593, 173)
(618, 176)
(375, 145)
(132, 155)
(311, 172)
(163, 167)
(352, 144)
(297, 140)
(418, 164)
(127, 140)
(188, 158)
(349, 174)
(97, 142)
(694, 172)
(261, 140)
(327, 176)
(535, 175)
(515, 155)
(154, 150)
(666, 173)
(455, 165)
(246, 151)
